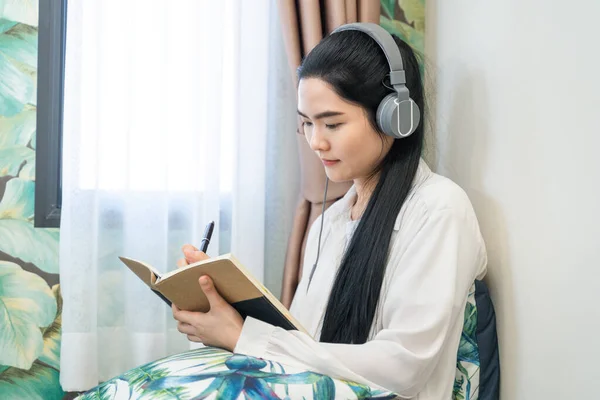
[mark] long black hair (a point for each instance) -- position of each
(356, 68)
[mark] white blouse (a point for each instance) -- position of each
(436, 253)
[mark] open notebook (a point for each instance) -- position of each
(232, 280)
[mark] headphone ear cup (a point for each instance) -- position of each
(386, 113)
(398, 119)
(407, 118)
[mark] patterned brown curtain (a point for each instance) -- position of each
(304, 24)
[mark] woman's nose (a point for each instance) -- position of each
(317, 141)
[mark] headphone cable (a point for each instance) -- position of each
(320, 233)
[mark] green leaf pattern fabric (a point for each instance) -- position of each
(466, 383)
(37, 246)
(26, 305)
(18, 63)
(30, 311)
(214, 373)
(406, 19)
(40, 382)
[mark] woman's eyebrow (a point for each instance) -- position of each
(323, 114)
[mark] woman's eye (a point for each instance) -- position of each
(332, 126)
(306, 123)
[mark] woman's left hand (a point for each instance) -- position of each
(221, 326)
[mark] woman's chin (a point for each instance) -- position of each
(336, 178)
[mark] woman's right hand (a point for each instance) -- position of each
(191, 255)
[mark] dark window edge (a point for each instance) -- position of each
(51, 62)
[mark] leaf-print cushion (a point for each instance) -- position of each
(218, 374)
(477, 363)
(466, 383)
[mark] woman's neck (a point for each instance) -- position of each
(364, 189)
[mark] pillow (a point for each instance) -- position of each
(210, 372)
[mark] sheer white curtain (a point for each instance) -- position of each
(167, 126)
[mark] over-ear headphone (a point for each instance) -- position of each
(397, 115)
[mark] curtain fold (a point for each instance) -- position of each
(304, 24)
(166, 127)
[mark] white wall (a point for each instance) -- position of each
(518, 127)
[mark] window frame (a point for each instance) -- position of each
(49, 123)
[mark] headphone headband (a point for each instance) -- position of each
(387, 44)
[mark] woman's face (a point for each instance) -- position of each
(339, 132)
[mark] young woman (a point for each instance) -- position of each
(398, 253)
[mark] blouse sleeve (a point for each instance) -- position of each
(424, 300)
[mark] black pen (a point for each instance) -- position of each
(207, 235)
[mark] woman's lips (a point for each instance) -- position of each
(329, 163)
